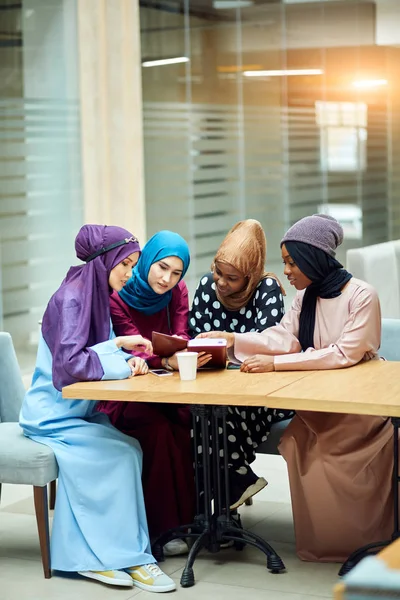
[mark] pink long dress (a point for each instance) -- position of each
(340, 466)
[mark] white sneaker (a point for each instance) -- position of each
(151, 578)
(109, 577)
(176, 547)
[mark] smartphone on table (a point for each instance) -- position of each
(160, 372)
(233, 366)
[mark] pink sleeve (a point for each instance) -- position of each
(279, 339)
(180, 312)
(359, 340)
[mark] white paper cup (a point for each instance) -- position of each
(187, 363)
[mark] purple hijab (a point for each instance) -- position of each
(78, 314)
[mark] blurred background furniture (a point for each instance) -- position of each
(375, 577)
(379, 265)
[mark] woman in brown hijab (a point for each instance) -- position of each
(238, 295)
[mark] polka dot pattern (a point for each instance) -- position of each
(247, 427)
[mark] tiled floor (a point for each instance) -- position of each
(228, 575)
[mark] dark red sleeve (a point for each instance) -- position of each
(180, 311)
(120, 317)
(123, 325)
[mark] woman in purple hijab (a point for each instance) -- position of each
(99, 528)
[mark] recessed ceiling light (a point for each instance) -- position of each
(165, 61)
(283, 72)
(227, 4)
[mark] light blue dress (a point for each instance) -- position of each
(99, 519)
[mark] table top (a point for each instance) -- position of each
(371, 388)
(228, 387)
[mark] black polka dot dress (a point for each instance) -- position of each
(247, 427)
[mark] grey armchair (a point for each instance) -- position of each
(23, 461)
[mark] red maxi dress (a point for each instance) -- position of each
(163, 430)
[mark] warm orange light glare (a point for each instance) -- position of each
(367, 84)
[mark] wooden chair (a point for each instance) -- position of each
(23, 461)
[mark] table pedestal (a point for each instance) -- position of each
(214, 523)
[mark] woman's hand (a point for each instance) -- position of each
(134, 342)
(229, 337)
(138, 366)
(202, 360)
(172, 362)
(260, 363)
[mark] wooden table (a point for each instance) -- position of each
(209, 396)
(371, 388)
(211, 387)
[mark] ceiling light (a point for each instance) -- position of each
(165, 61)
(237, 68)
(366, 84)
(227, 4)
(283, 72)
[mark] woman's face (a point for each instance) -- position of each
(228, 279)
(122, 272)
(292, 271)
(165, 274)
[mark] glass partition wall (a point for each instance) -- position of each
(40, 164)
(272, 110)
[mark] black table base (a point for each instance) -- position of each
(215, 523)
(374, 548)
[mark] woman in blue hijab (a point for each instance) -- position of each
(156, 299)
(142, 294)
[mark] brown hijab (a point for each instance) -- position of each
(245, 249)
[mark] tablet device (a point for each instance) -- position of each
(166, 345)
(215, 346)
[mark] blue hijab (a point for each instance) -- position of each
(137, 293)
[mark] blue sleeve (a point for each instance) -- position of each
(112, 337)
(113, 360)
